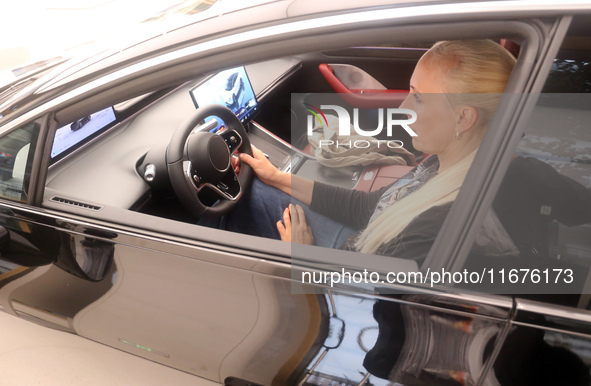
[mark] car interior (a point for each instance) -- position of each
(135, 177)
(117, 156)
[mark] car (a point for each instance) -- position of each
(234, 87)
(101, 234)
(78, 124)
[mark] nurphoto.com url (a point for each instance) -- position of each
(442, 277)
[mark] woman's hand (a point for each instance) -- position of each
(294, 227)
(263, 169)
(235, 161)
(298, 187)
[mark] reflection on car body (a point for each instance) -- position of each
(97, 241)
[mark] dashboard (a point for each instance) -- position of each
(116, 158)
(100, 159)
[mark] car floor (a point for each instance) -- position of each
(34, 355)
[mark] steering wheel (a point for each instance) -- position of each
(202, 160)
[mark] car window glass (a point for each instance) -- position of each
(541, 216)
(15, 161)
(571, 70)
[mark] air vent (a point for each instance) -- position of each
(79, 204)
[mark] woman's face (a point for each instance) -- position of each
(436, 120)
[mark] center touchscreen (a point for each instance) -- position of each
(229, 88)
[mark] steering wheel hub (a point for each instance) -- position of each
(210, 154)
(202, 160)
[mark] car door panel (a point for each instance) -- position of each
(391, 66)
(406, 341)
(50, 296)
(200, 316)
(191, 324)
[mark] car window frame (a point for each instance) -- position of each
(35, 159)
(492, 30)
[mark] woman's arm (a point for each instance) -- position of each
(351, 207)
(298, 187)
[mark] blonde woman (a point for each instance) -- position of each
(454, 90)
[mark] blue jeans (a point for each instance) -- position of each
(262, 206)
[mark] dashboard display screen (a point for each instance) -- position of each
(230, 88)
(77, 132)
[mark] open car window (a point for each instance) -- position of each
(277, 102)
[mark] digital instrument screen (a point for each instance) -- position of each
(230, 88)
(77, 132)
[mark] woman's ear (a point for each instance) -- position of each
(467, 117)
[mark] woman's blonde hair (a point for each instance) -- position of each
(467, 68)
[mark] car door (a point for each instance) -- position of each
(220, 305)
(549, 335)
